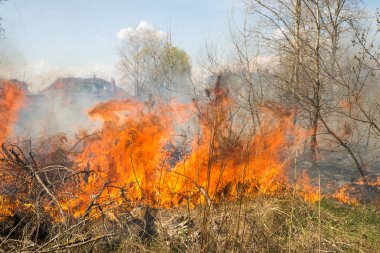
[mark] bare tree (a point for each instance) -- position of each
(1, 27)
(150, 62)
(135, 64)
(309, 41)
(248, 88)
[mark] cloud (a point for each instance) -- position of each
(142, 28)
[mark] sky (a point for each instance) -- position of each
(80, 35)
(50, 38)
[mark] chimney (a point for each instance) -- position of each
(151, 101)
(94, 84)
(113, 87)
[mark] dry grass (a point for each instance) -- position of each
(265, 224)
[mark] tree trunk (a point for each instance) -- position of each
(317, 88)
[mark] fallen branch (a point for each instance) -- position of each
(55, 200)
(87, 212)
(58, 236)
(76, 243)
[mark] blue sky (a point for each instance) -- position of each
(84, 31)
(59, 34)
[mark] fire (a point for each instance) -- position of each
(129, 151)
(305, 188)
(133, 152)
(173, 154)
(359, 191)
(343, 196)
(11, 100)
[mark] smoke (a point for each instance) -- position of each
(63, 106)
(49, 113)
(12, 61)
(55, 114)
(40, 74)
(45, 73)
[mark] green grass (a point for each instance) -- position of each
(360, 224)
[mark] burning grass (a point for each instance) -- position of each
(167, 177)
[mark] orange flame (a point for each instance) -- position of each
(359, 191)
(138, 155)
(134, 148)
(306, 190)
(11, 100)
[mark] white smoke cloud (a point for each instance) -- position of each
(266, 61)
(41, 74)
(44, 73)
(141, 28)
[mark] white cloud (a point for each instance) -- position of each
(123, 33)
(141, 28)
